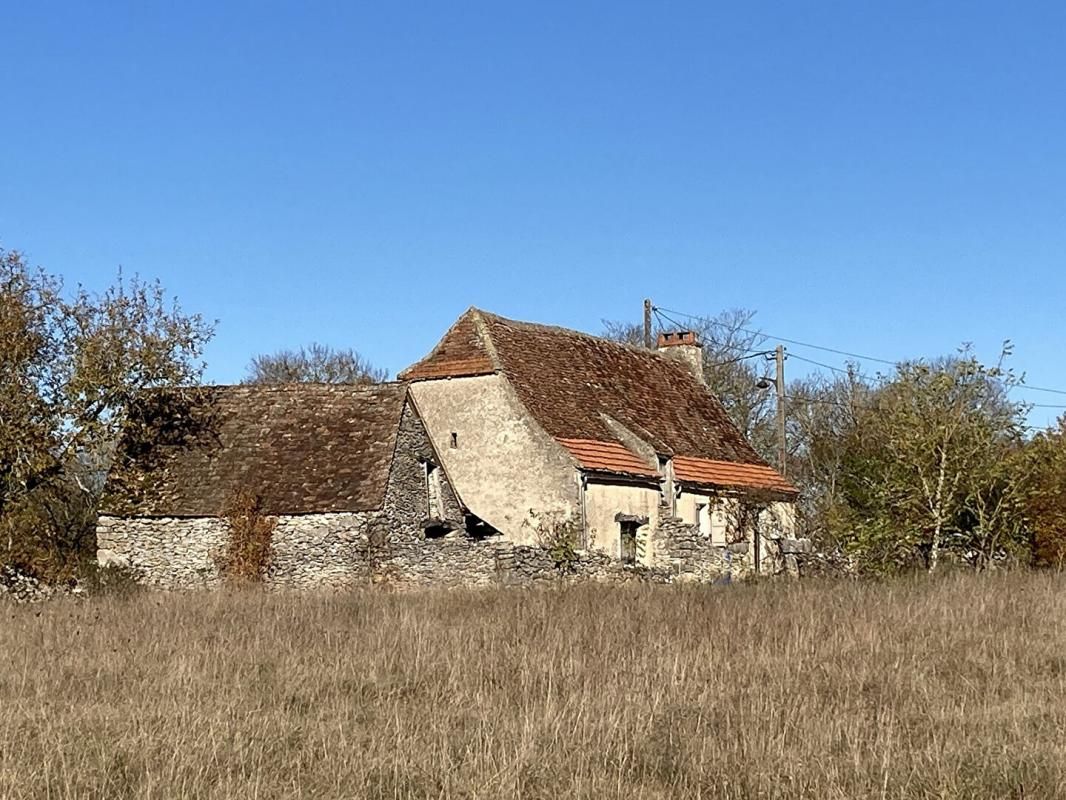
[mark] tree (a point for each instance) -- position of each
(317, 363)
(70, 365)
(928, 466)
(823, 420)
(1045, 496)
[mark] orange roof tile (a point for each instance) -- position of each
(730, 473)
(606, 456)
(461, 352)
(454, 368)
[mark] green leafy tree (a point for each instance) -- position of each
(928, 466)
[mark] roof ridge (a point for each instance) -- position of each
(634, 348)
(294, 386)
(485, 336)
(541, 326)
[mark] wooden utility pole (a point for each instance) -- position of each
(647, 324)
(779, 356)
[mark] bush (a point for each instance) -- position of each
(249, 550)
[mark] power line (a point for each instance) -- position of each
(660, 312)
(1040, 389)
(830, 366)
(796, 342)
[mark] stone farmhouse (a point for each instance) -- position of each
(506, 440)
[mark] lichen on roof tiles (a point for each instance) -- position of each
(302, 448)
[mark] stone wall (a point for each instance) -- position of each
(686, 554)
(169, 552)
(503, 463)
(311, 550)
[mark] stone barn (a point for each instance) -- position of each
(345, 473)
(506, 440)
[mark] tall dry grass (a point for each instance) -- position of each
(947, 688)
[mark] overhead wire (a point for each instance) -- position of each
(663, 313)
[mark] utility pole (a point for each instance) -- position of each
(779, 356)
(647, 324)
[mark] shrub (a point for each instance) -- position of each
(559, 536)
(249, 549)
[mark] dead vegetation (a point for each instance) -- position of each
(249, 548)
(949, 687)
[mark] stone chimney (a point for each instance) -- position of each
(684, 348)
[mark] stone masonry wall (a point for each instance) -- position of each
(312, 550)
(167, 552)
(688, 555)
(407, 554)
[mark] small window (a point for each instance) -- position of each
(434, 491)
(628, 541)
(455, 440)
(703, 518)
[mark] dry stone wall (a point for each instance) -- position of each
(312, 550)
(687, 555)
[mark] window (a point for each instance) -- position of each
(628, 541)
(703, 518)
(455, 440)
(434, 491)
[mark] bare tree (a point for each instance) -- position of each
(316, 363)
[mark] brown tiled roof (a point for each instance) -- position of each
(606, 457)
(461, 352)
(569, 382)
(301, 448)
(730, 474)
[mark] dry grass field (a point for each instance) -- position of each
(946, 688)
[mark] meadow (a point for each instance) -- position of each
(912, 688)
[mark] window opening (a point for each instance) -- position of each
(628, 541)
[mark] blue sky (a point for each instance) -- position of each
(886, 178)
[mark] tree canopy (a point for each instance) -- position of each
(70, 365)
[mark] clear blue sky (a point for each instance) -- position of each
(885, 178)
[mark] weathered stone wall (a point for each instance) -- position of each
(605, 501)
(168, 552)
(312, 550)
(688, 555)
(406, 554)
(321, 550)
(503, 463)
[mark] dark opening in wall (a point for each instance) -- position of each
(438, 531)
(455, 440)
(628, 541)
(478, 528)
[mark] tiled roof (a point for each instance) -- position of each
(606, 457)
(730, 474)
(572, 383)
(461, 352)
(302, 448)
